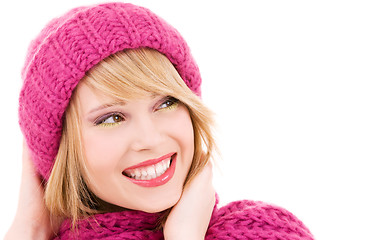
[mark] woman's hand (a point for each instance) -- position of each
(190, 217)
(32, 220)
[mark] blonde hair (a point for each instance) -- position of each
(125, 75)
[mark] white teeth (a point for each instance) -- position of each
(159, 169)
(148, 173)
(163, 165)
(151, 171)
(137, 173)
(168, 163)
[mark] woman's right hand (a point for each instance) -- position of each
(32, 219)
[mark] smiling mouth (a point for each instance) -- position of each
(151, 169)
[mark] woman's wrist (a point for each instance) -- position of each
(183, 236)
(28, 230)
(177, 229)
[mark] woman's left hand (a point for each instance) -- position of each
(32, 220)
(190, 217)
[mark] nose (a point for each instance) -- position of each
(147, 134)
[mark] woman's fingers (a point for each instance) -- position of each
(190, 217)
(32, 220)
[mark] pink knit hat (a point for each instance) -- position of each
(71, 45)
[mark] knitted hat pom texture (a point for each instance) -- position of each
(72, 44)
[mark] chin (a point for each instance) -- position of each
(159, 204)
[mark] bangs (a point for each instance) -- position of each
(136, 73)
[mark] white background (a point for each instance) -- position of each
(288, 81)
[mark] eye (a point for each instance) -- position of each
(168, 103)
(109, 120)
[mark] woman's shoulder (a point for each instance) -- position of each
(248, 219)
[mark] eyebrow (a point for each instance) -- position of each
(112, 104)
(107, 105)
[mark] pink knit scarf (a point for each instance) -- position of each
(237, 220)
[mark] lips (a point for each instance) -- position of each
(154, 172)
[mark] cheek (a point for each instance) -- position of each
(181, 129)
(185, 133)
(102, 150)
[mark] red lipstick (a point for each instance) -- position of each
(157, 181)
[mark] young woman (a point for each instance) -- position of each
(111, 113)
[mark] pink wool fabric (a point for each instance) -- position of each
(71, 45)
(247, 220)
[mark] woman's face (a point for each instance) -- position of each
(138, 153)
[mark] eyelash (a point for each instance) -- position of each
(171, 103)
(101, 121)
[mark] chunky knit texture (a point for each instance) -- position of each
(71, 45)
(247, 220)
